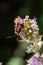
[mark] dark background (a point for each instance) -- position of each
(9, 10)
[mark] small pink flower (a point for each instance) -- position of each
(33, 61)
(27, 17)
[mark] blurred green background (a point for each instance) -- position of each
(9, 10)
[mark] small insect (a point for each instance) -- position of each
(18, 28)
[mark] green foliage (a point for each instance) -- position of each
(16, 61)
(23, 45)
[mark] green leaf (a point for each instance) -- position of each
(23, 44)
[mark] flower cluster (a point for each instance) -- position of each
(28, 31)
(34, 61)
(27, 28)
(34, 47)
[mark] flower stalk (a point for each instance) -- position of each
(28, 31)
